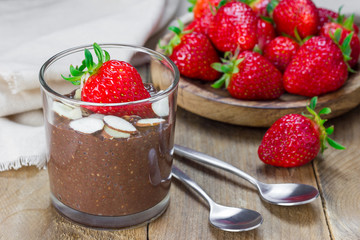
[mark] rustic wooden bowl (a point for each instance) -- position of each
(217, 104)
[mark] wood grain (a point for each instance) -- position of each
(339, 179)
(187, 217)
(25, 211)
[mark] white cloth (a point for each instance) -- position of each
(33, 31)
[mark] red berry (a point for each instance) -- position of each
(110, 81)
(295, 139)
(299, 14)
(280, 51)
(291, 141)
(250, 76)
(193, 54)
(317, 68)
(234, 26)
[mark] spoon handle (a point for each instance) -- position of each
(209, 160)
(181, 176)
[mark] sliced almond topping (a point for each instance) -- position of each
(161, 107)
(77, 95)
(97, 115)
(111, 133)
(66, 110)
(87, 125)
(119, 124)
(148, 122)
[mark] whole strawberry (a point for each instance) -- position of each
(329, 29)
(110, 81)
(265, 32)
(280, 51)
(234, 26)
(289, 15)
(249, 76)
(193, 54)
(317, 68)
(295, 139)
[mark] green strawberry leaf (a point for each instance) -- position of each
(87, 65)
(271, 6)
(325, 111)
(329, 130)
(313, 103)
(219, 83)
(335, 144)
(349, 23)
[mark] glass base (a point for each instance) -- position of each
(112, 222)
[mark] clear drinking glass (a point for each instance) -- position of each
(99, 176)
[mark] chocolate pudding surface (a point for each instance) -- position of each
(98, 175)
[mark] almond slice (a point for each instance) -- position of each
(77, 94)
(97, 115)
(87, 125)
(148, 122)
(161, 107)
(66, 111)
(119, 124)
(111, 133)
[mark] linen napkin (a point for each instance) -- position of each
(33, 31)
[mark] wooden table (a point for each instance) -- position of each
(26, 213)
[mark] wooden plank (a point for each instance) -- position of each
(187, 216)
(26, 212)
(339, 178)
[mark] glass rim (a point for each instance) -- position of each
(157, 96)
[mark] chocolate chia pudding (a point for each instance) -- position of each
(110, 141)
(102, 175)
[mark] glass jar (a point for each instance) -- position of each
(101, 175)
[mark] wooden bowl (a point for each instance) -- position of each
(217, 104)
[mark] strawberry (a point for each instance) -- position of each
(265, 32)
(204, 11)
(193, 54)
(110, 81)
(329, 29)
(318, 67)
(280, 51)
(234, 26)
(249, 76)
(258, 6)
(291, 14)
(295, 139)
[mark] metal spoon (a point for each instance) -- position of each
(222, 217)
(286, 194)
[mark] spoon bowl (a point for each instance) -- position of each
(287, 194)
(234, 219)
(225, 218)
(284, 194)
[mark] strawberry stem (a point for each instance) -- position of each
(229, 66)
(176, 40)
(324, 132)
(76, 73)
